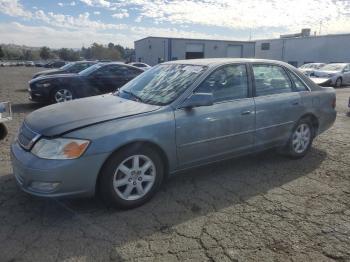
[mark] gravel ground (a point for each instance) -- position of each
(259, 208)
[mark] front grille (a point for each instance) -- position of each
(27, 137)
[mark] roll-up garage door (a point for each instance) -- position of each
(194, 51)
(234, 51)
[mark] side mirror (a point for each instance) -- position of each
(197, 100)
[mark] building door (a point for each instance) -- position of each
(234, 51)
(194, 51)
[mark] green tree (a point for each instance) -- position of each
(45, 52)
(2, 54)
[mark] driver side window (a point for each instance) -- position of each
(226, 83)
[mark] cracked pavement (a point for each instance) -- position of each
(263, 207)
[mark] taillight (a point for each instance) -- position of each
(334, 102)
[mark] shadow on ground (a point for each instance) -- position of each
(26, 107)
(73, 226)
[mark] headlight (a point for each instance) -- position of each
(43, 84)
(60, 148)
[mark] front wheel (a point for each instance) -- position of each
(301, 139)
(131, 177)
(60, 95)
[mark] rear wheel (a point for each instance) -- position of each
(338, 82)
(131, 177)
(301, 139)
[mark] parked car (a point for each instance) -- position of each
(5, 116)
(141, 65)
(29, 63)
(97, 79)
(309, 68)
(74, 67)
(39, 63)
(54, 64)
(175, 116)
(335, 74)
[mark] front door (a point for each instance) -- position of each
(227, 127)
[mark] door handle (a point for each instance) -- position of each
(246, 113)
(295, 103)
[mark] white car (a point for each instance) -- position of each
(140, 65)
(5, 116)
(336, 74)
(309, 68)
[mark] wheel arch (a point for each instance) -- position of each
(137, 143)
(314, 121)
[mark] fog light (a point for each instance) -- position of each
(44, 186)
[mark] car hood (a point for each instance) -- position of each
(325, 73)
(61, 118)
(319, 80)
(55, 76)
(47, 72)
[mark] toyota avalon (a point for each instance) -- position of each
(173, 117)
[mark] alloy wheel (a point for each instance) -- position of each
(134, 177)
(63, 95)
(301, 138)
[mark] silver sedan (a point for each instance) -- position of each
(173, 117)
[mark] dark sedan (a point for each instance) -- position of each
(54, 64)
(97, 79)
(74, 67)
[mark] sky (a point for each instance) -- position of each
(77, 23)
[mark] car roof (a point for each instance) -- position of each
(217, 61)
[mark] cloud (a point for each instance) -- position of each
(123, 13)
(237, 14)
(101, 3)
(14, 8)
(97, 12)
(57, 38)
(73, 3)
(82, 21)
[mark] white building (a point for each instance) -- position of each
(305, 49)
(153, 50)
(296, 49)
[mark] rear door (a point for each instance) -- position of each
(226, 127)
(278, 105)
(346, 74)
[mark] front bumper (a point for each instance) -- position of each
(73, 178)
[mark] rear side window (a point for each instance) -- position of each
(299, 86)
(226, 83)
(271, 79)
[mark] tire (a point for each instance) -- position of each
(338, 82)
(299, 144)
(3, 131)
(120, 182)
(66, 93)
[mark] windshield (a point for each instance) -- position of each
(333, 67)
(162, 84)
(67, 66)
(90, 69)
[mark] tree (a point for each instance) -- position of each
(68, 54)
(45, 53)
(2, 54)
